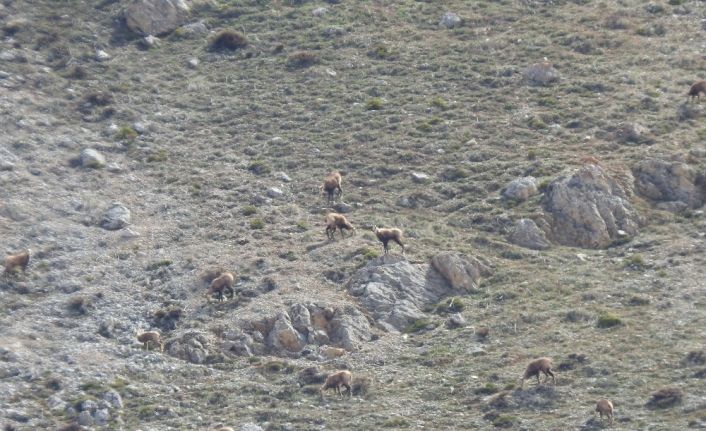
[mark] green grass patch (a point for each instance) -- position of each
(608, 320)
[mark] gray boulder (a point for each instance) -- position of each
(540, 74)
(450, 20)
(527, 234)
(349, 327)
(155, 17)
(191, 346)
(589, 208)
(91, 158)
(116, 217)
(461, 272)
(520, 189)
(394, 291)
(665, 182)
(284, 337)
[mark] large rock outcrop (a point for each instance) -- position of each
(394, 291)
(669, 182)
(155, 17)
(590, 209)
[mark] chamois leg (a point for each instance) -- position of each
(232, 292)
(350, 390)
(400, 243)
(384, 247)
(340, 229)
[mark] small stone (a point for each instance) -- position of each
(150, 41)
(102, 55)
(283, 177)
(250, 427)
(6, 165)
(455, 320)
(140, 127)
(91, 158)
(450, 20)
(196, 28)
(114, 168)
(113, 399)
(420, 177)
(102, 416)
(116, 217)
(319, 11)
(193, 63)
(342, 208)
(85, 419)
(274, 192)
(541, 74)
(88, 406)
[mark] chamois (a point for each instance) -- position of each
(332, 183)
(17, 260)
(605, 407)
(223, 282)
(151, 336)
(337, 221)
(543, 365)
(385, 235)
(696, 89)
(336, 380)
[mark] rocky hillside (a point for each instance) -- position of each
(541, 157)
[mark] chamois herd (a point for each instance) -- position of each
(223, 286)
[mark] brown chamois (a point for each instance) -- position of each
(605, 407)
(385, 235)
(336, 380)
(223, 282)
(541, 365)
(337, 221)
(696, 89)
(21, 260)
(148, 337)
(332, 184)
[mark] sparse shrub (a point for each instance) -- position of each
(302, 225)
(638, 301)
(126, 133)
(374, 104)
(257, 223)
(302, 59)
(608, 320)
(649, 30)
(395, 423)
(249, 210)
(380, 51)
(454, 173)
(636, 262)
(259, 167)
(79, 304)
(227, 40)
(156, 265)
(488, 389)
(369, 253)
(362, 386)
(440, 103)
(76, 71)
(505, 421)
(450, 305)
(275, 366)
(665, 398)
(158, 156)
(417, 326)
(574, 316)
(289, 255)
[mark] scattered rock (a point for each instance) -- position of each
(633, 133)
(195, 28)
(91, 158)
(155, 17)
(116, 217)
(85, 418)
(588, 208)
(540, 74)
(250, 427)
(319, 11)
(342, 208)
(191, 346)
(461, 272)
(527, 234)
(113, 399)
(193, 63)
(520, 189)
(283, 177)
(284, 336)
(102, 55)
(455, 320)
(101, 416)
(150, 41)
(664, 181)
(420, 177)
(450, 20)
(274, 192)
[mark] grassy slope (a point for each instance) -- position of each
(453, 106)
